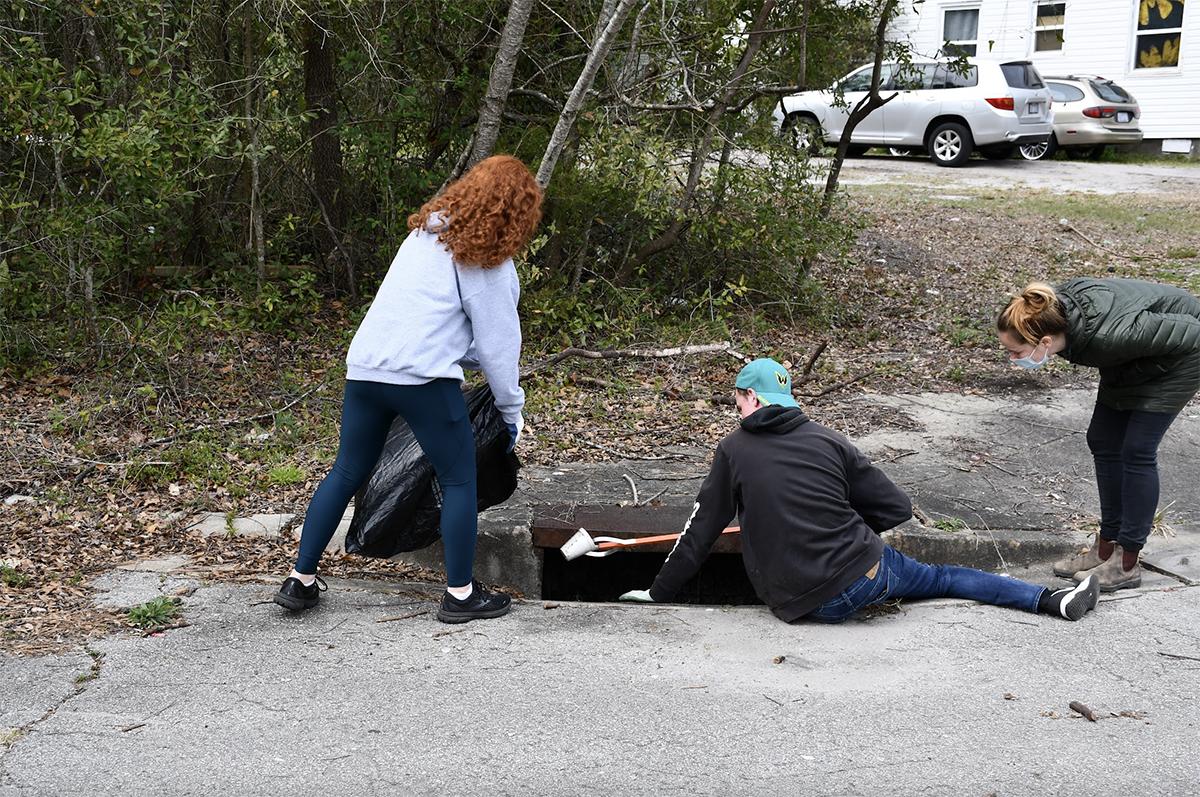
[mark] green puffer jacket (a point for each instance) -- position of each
(1144, 338)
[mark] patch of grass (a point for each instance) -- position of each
(12, 578)
(960, 331)
(950, 524)
(9, 736)
(284, 475)
(94, 670)
(1113, 156)
(1112, 210)
(152, 614)
(1183, 252)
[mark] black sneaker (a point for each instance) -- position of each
(480, 604)
(1075, 603)
(294, 596)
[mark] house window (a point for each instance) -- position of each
(1159, 30)
(960, 31)
(1048, 26)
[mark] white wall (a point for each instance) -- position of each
(1098, 40)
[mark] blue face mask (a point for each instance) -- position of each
(1028, 362)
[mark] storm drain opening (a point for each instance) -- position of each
(721, 581)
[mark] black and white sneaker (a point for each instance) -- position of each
(479, 605)
(1075, 603)
(293, 595)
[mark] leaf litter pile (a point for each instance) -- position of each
(103, 469)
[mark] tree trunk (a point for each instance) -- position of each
(320, 94)
(487, 129)
(677, 227)
(570, 112)
(860, 111)
(255, 242)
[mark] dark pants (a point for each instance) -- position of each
(1124, 444)
(900, 576)
(437, 415)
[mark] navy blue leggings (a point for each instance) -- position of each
(437, 415)
(1124, 444)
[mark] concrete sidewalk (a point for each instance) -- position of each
(368, 694)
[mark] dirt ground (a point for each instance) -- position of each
(913, 310)
(1057, 176)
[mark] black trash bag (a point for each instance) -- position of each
(399, 508)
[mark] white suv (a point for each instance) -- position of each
(936, 107)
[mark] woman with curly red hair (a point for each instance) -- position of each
(448, 302)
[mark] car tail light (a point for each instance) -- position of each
(1100, 113)
(1002, 103)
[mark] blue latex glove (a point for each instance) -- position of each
(514, 432)
(637, 596)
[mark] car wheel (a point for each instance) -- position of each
(804, 133)
(950, 144)
(1040, 152)
(1000, 152)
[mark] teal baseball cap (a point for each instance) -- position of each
(769, 380)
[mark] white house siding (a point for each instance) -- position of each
(1098, 39)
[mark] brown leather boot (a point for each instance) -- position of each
(1067, 568)
(1112, 576)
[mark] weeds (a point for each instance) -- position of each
(950, 524)
(284, 475)
(9, 736)
(1159, 525)
(160, 611)
(11, 578)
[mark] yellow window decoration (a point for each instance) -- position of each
(1159, 34)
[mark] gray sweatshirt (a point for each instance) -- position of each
(432, 317)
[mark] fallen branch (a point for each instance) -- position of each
(654, 497)
(403, 616)
(633, 487)
(812, 359)
(1075, 705)
(1066, 225)
(159, 629)
(440, 634)
(722, 399)
(840, 385)
(589, 381)
(232, 421)
(616, 354)
(83, 474)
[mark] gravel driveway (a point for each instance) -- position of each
(1059, 176)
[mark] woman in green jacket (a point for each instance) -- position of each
(1145, 340)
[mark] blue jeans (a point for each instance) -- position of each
(1124, 444)
(437, 414)
(902, 577)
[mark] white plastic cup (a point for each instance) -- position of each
(580, 543)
